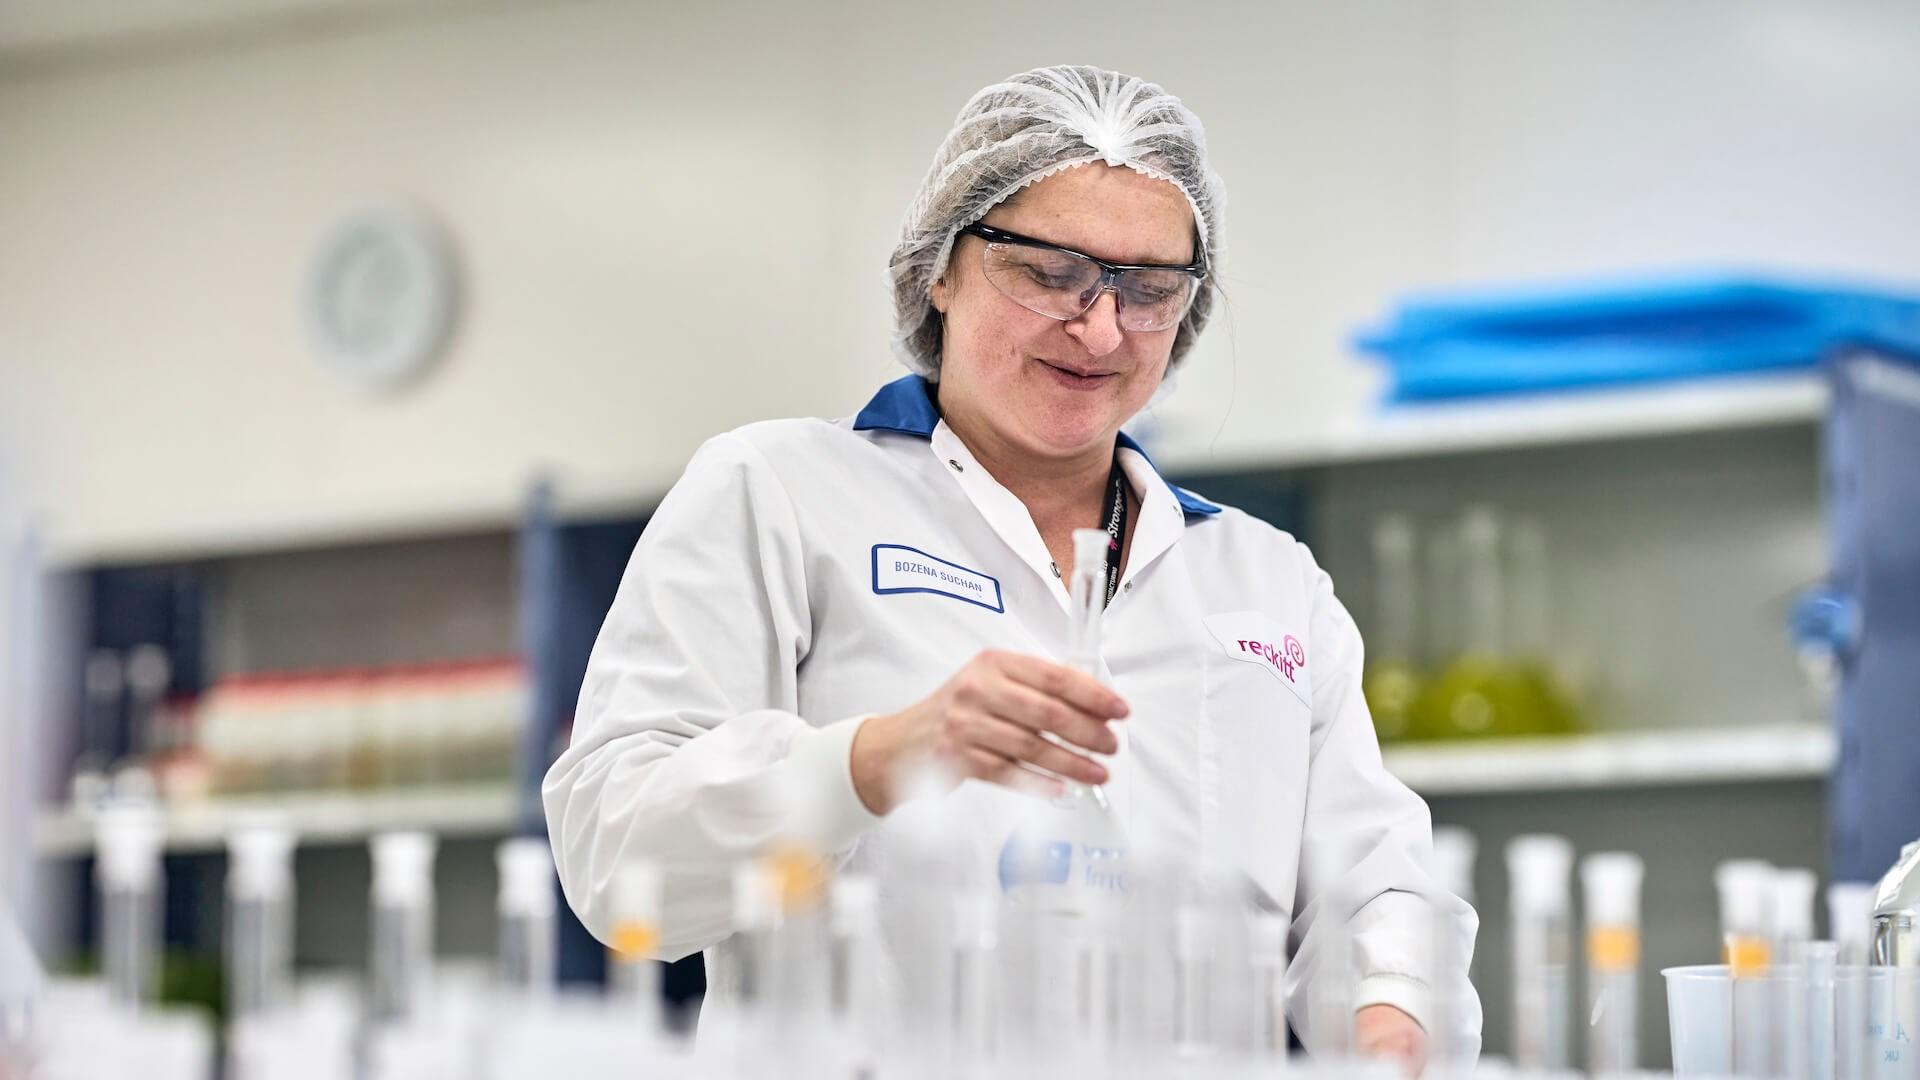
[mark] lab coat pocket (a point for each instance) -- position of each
(1255, 745)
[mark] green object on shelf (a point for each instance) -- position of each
(1392, 687)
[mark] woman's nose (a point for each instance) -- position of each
(1098, 327)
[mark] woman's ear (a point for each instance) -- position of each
(939, 293)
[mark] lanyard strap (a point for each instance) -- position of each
(1114, 519)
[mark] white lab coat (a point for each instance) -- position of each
(806, 574)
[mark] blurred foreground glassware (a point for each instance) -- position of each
(1539, 868)
(1612, 883)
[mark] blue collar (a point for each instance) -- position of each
(906, 405)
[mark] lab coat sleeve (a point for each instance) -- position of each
(688, 749)
(1365, 857)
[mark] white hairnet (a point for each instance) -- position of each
(1023, 130)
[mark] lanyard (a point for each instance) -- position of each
(1113, 518)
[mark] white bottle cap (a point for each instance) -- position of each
(856, 902)
(129, 836)
(1090, 549)
(1539, 869)
(1454, 849)
(1794, 889)
(403, 868)
(1611, 882)
(1850, 913)
(1746, 897)
(260, 862)
(526, 876)
(756, 896)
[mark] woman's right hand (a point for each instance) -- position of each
(990, 721)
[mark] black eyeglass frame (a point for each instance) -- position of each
(1001, 236)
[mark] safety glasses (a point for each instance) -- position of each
(1063, 284)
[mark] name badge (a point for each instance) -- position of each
(901, 569)
(1254, 638)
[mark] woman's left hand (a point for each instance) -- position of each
(1384, 1032)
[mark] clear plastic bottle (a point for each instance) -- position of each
(1746, 929)
(259, 919)
(633, 972)
(528, 928)
(1266, 993)
(1393, 680)
(1612, 884)
(401, 961)
(1850, 919)
(855, 989)
(130, 836)
(1540, 868)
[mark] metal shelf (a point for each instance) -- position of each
(481, 809)
(1524, 422)
(1627, 759)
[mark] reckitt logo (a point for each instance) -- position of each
(1286, 657)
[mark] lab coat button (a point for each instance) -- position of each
(956, 465)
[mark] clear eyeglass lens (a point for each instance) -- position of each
(1062, 285)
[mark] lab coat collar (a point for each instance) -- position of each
(906, 405)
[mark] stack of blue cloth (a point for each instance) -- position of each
(1547, 338)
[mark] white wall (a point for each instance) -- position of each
(675, 218)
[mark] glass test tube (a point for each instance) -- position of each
(1086, 594)
(1267, 994)
(528, 927)
(1794, 890)
(128, 876)
(259, 919)
(633, 975)
(1746, 930)
(1612, 882)
(854, 989)
(1850, 919)
(1539, 868)
(402, 937)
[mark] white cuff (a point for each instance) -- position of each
(821, 764)
(1403, 992)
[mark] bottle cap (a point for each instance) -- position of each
(526, 876)
(856, 903)
(129, 836)
(260, 862)
(1746, 897)
(1539, 868)
(1611, 881)
(403, 868)
(1794, 889)
(1269, 933)
(1850, 913)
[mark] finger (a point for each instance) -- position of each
(1076, 688)
(1032, 709)
(1025, 745)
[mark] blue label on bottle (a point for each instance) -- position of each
(1026, 862)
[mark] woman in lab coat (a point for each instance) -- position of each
(819, 605)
